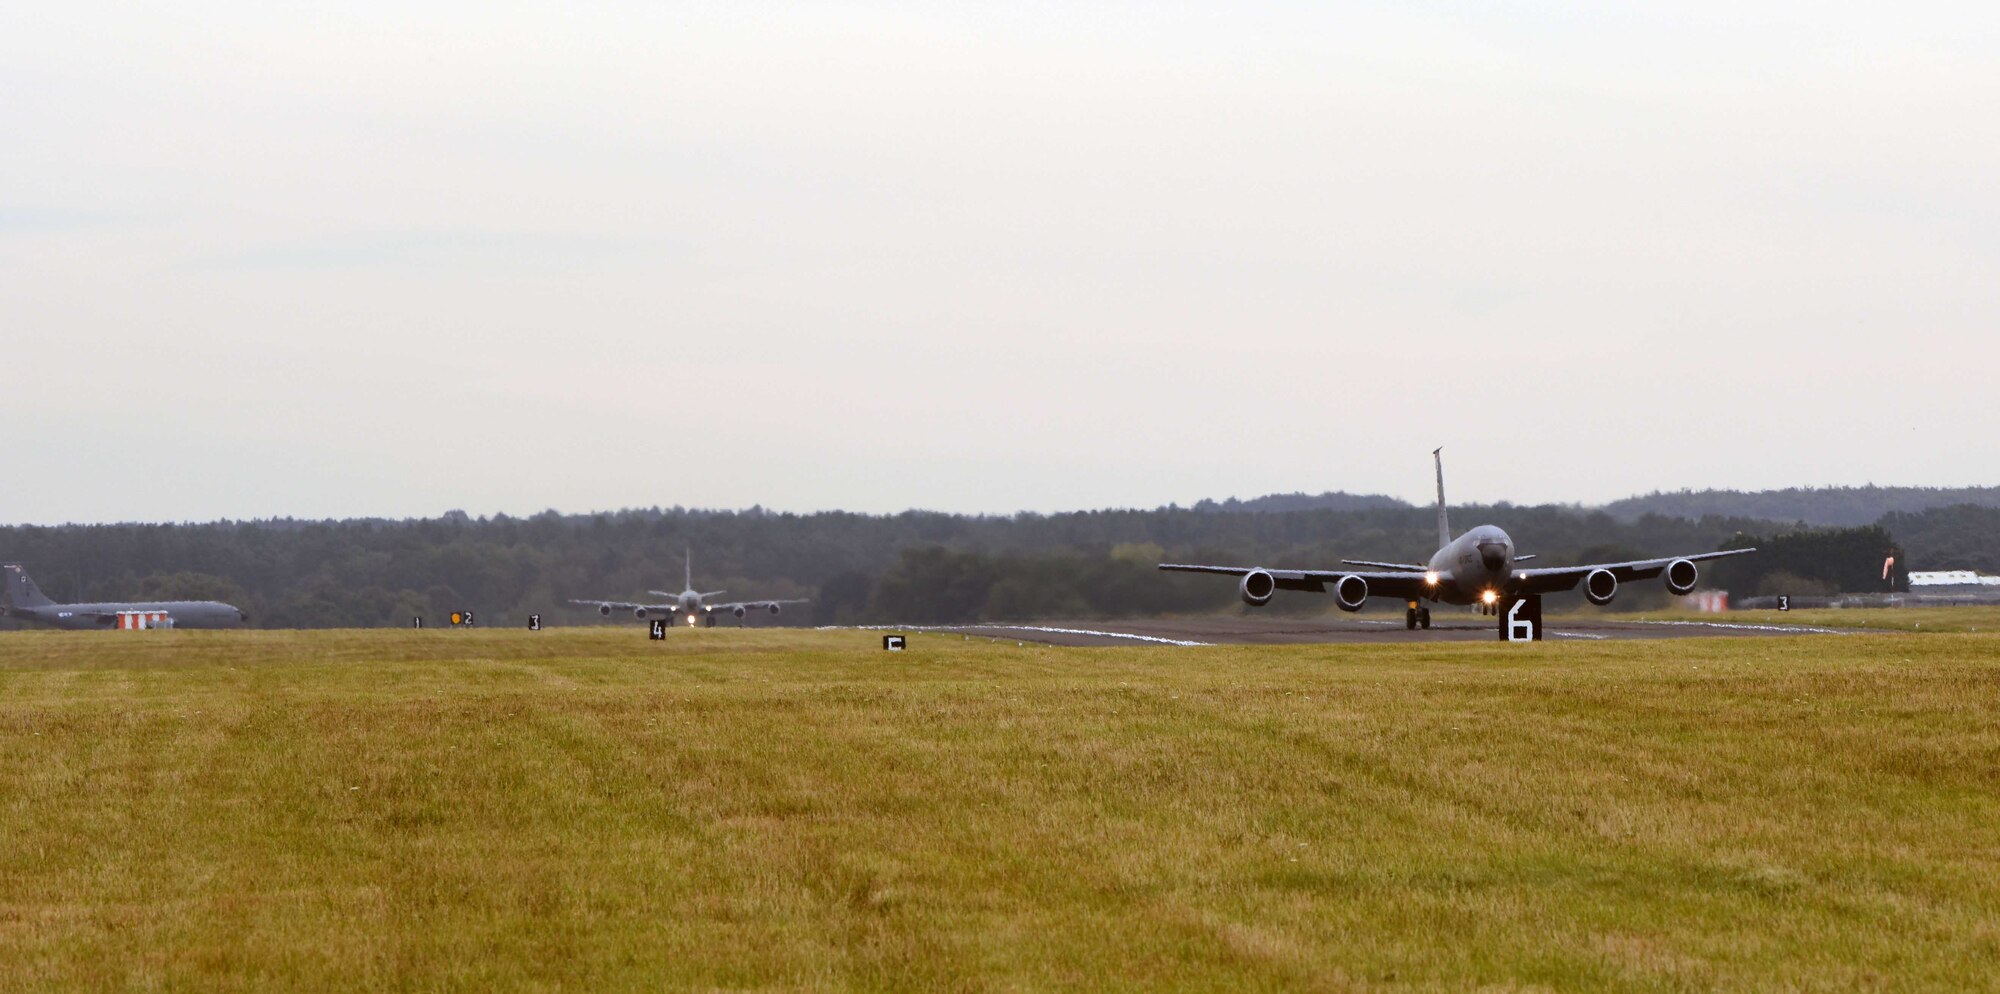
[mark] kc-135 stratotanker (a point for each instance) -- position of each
(692, 604)
(20, 598)
(1478, 568)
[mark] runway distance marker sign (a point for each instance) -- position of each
(1522, 619)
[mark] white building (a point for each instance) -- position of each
(1950, 578)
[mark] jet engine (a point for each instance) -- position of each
(637, 612)
(774, 609)
(604, 609)
(1350, 592)
(1681, 576)
(1600, 586)
(739, 612)
(1257, 587)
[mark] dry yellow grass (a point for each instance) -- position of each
(772, 810)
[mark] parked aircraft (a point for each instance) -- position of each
(21, 598)
(1477, 568)
(689, 603)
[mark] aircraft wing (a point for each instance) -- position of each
(1398, 583)
(1397, 567)
(1552, 579)
(626, 605)
(753, 605)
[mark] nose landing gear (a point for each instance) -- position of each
(1416, 616)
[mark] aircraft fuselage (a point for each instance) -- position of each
(687, 604)
(691, 606)
(1472, 565)
(184, 614)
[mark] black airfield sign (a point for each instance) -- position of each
(658, 631)
(1521, 619)
(894, 643)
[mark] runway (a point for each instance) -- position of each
(1363, 631)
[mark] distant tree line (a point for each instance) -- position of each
(913, 567)
(1812, 561)
(1819, 506)
(1843, 506)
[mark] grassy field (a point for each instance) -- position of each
(772, 810)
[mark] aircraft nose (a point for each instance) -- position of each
(1494, 555)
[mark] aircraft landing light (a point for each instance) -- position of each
(1489, 597)
(1431, 578)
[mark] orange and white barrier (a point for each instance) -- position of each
(140, 620)
(1708, 601)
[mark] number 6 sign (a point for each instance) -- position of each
(1522, 621)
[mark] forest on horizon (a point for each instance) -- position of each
(919, 566)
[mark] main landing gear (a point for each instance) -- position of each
(1415, 617)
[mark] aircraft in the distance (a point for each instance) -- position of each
(1477, 568)
(20, 598)
(689, 603)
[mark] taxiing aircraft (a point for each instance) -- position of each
(689, 603)
(20, 598)
(1477, 568)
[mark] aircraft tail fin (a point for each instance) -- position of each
(19, 590)
(688, 559)
(1444, 520)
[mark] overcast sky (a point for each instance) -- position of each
(281, 259)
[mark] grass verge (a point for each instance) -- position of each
(777, 810)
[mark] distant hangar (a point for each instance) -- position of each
(1941, 581)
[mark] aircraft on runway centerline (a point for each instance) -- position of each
(689, 603)
(1476, 568)
(20, 598)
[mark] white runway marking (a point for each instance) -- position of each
(1024, 628)
(1748, 628)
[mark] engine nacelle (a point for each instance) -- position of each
(1350, 592)
(1681, 576)
(1600, 586)
(739, 611)
(774, 609)
(604, 609)
(637, 612)
(1257, 587)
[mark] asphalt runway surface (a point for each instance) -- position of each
(1364, 630)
